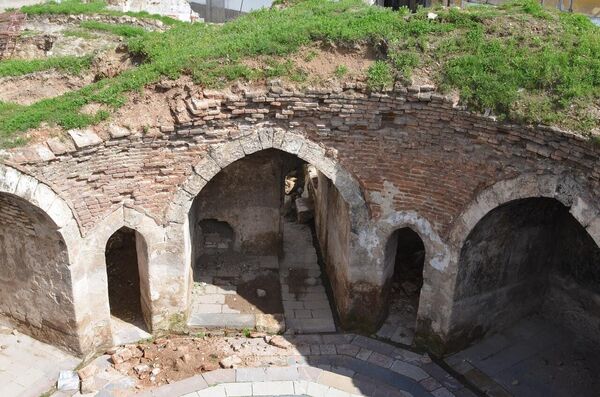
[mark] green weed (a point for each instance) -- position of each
(379, 76)
(340, 71)
(68, 64)
(117, 29)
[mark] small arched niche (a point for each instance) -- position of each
(404, 262)
(128, 285)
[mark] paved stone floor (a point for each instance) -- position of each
(324, 365)
(399, 326)
(124, 332)
(532, 358)
(225, 292)
(29, 367)
(305, 302)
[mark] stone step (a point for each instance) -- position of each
(222, 320)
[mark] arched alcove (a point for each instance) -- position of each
(404, 262)
(128, 283)
(250, 261)
(520, 255)
(36, 290)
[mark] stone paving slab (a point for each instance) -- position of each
(305, 303)
(222, 320)
(29, 367)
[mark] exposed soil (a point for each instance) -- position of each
(43, 39)
(320, 63)
(324, 61)
(173, 358)
(144, 111)
(32, 88)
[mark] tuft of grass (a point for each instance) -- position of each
(82, 34)
(341, 71)
(246, 332)
(117, 29)
(68, 64)
(379, 76)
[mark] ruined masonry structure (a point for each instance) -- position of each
(407, 158)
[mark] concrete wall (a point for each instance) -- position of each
(35, 282)
(178, 9)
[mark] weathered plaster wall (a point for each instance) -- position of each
(573, 297)
(504, 264)
(247, 195)
(332, 223)
(35, 281)
(529, 255)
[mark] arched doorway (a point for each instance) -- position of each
(405, 259)
(254, 261)
(128, 289)
(35, 279)
(528, 283)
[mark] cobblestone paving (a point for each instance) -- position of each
(28, 367)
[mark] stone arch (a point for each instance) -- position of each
(220, 156)
(43, 197)
(564, 190)
(41, 243)
(151, 238)
(437, 258)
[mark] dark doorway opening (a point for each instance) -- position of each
(124, 277)
(405, 251)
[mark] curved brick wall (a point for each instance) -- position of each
(417, 159)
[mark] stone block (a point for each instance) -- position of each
(58, 147)
(409, 370)
(84, 138)
(43, 152)
(270, 323)
(117, 131)
(219, 376)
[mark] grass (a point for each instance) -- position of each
(80, 33)
(519, 61)
(98, 7)
(379, 76)
(69, 64)
(117, 29)
(340, 71)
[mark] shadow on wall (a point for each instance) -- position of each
(35, 279)
(126, 268)
(526, 256)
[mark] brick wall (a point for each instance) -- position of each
(437, 155)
